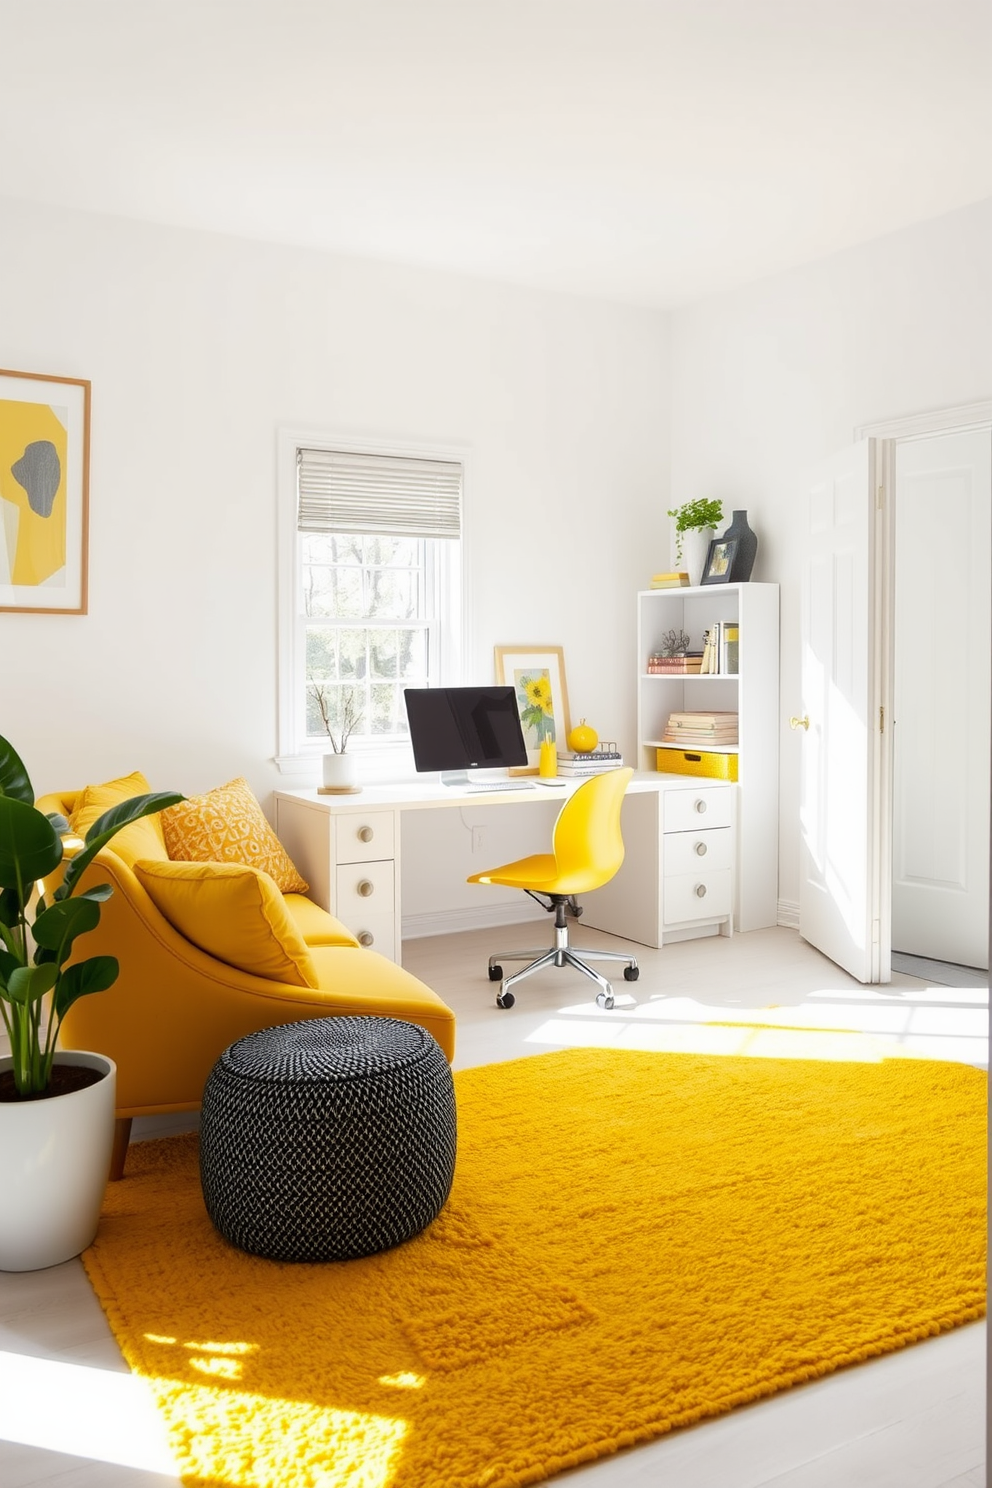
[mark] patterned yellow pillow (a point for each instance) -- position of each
(227, 825)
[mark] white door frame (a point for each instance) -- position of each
(939, 421)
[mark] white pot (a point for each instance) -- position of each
(54, 1165)
(695, 545)
(340, 773)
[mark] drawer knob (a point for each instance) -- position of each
(365, 937)
(365, 834)
(700, 891)
(701, 849)
(699, 806)
(365, 888)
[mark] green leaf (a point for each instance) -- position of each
(57, 928)
(8, 965)
(83, 979)
(30, 983)
(59, 822)
(107, 826)
(14, 780)
(10, 907)
(30, 847)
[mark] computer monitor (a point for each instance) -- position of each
(458, 729)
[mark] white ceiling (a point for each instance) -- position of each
(649, 151)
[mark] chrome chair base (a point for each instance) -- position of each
(560, 954)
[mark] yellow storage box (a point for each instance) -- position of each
(697, 762)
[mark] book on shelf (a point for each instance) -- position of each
(670, 581)
(701, 719)
(721, 649)
(675, 666)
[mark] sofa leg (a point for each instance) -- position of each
(122, 1136)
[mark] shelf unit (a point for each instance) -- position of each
(752, 694)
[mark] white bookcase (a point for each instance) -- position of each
(752, 694)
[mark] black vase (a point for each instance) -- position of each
(747, 548)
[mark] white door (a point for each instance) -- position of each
(843, 822)
(940, 805)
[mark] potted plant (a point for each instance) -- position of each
(695, 528)
(56, 1106)
(340, 710)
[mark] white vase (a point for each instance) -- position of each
(340, 774)
(54, 1164)
(695, 545)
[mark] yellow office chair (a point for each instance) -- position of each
(587, 850)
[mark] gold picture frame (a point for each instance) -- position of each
(44, 493)
(537, 676)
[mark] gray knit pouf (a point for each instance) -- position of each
(329, 1139)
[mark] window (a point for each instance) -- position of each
(375, 594)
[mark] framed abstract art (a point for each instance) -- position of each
(44, 493)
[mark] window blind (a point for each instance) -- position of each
(405, 497)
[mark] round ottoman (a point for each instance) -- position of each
(328, 1139)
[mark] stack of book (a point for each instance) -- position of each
(688, 665)
(592, 763)
(670, 581)
(700, 730)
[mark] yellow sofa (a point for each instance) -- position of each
(176, 1006)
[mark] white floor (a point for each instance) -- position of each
(72, 1415)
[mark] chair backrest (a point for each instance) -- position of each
(587, 836)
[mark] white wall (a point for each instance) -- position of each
(199, 347)
(771, 379)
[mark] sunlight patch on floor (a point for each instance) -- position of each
(857, 1026)
(85, 1412)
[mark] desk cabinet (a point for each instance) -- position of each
(678, 876)
(351, 861)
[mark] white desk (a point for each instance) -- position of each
(677, 880)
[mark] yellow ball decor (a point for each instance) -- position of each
(582, 739)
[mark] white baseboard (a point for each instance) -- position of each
(453, 921)
(788, 914)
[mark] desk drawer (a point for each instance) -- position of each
(364, 902)
(698, 852)
(688, 810)
(698, 896)
(365, 837)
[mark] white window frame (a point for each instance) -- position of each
(298, 755)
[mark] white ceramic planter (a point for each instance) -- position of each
(695, 545)
(54, 1164)
(340, 773)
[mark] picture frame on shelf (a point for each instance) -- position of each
(537, 676)
(719, 563)
(44, 493)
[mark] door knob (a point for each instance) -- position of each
(700, 891)
(803, 722)
(365, 834)
(700, 806)
(700, 849)
(365, 888)
(365, 937)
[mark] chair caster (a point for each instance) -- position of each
(495, 973)
(604, 1000)
(505, 999)
(631, 973)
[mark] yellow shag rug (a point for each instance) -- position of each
(634, 1242)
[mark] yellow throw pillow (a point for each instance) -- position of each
(234, 913)
(227, 825)
(142, 839)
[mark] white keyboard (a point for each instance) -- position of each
(501, 785)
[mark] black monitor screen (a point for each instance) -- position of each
(464, 728)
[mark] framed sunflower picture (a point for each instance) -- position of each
(537, 676)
